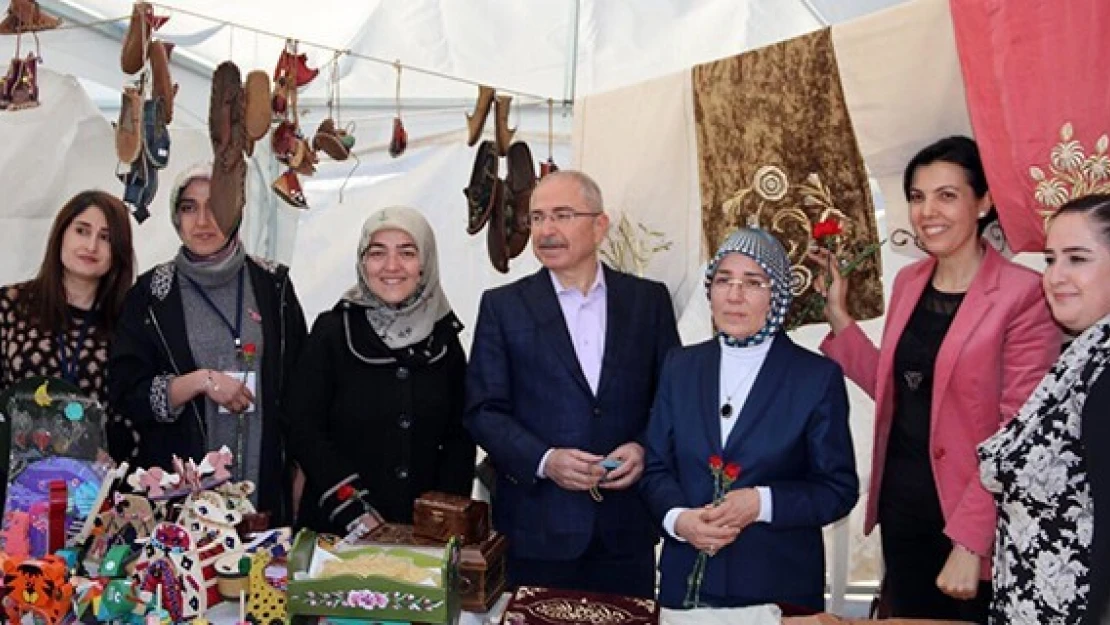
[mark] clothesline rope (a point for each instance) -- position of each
(355, 55)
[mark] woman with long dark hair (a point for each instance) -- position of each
(60, 323)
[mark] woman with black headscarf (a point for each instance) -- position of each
(204, 348)
(767, 421)
(376, 409)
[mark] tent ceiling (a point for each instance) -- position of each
(525, 47)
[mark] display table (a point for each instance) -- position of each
(227, 613)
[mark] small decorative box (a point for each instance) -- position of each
(439, 516)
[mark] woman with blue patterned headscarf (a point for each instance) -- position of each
(775, 416)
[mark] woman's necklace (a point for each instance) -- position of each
(726, 409)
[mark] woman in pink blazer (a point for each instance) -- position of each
(968, 335)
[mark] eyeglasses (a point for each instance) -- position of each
(747, 285)
(559, 216)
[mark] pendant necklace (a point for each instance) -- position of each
(726, 409)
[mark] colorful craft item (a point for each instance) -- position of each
(17, 534)
(74, 411)
(58, 502)
(115, 561)
(39, 587)
(117, 601)
(42, 396)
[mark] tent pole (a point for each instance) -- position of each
(570, 85)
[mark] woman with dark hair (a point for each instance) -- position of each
(967, 337)
(205, 346)
(376, 409)
(1048, 468)
(60, 323)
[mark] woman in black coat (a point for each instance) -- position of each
(204, 349)
(375, 412)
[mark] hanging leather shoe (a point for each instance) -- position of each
(502, 133)
(26, 16)
(136, 41)
(327, 140)
(399, 140)
(288, 188)
(496, 241)
(227, 129)
(548, 167)
(477, 122)
(129, 133)
(479, 194)
(161, 83)
(520, 181)
(256, 93)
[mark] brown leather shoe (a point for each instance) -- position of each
(479, 195)
(496, 241)
(25, 16)
(137, 39)
(227, 129)
(256, 93)
(288, 187)
(502, 133)
(161, 83)
(20, 87)
(476, 122)
(399, 140)
(129, 130)
(520, 180)
(327, 140)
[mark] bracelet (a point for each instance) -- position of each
(209, 384)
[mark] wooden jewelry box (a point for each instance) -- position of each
(439, 516)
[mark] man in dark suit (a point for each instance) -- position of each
(562, 374)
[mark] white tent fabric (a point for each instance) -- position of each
(560, 50)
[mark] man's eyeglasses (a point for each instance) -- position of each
(748, 285)
(559, 216)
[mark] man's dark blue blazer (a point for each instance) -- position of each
(792, 436)
(526, 393)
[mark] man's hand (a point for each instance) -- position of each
(739, 509)
(959, 578)
(692, 527)
(573, 469)
(631, 457)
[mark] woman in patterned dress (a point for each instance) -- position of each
(1048, 468)
(59, 323)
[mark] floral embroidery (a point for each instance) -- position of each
(1071, 172)
(160, 398)
(161, 280)
(768, 194)
(631, 249)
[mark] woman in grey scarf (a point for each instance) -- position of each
(206, 344)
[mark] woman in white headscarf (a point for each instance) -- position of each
(772, 417)
(376, 409)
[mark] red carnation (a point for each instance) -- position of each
(249, 350)
(716, 463)
(345, 492)
(826, 228)
(732, 471)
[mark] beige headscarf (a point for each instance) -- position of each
(413, 319)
